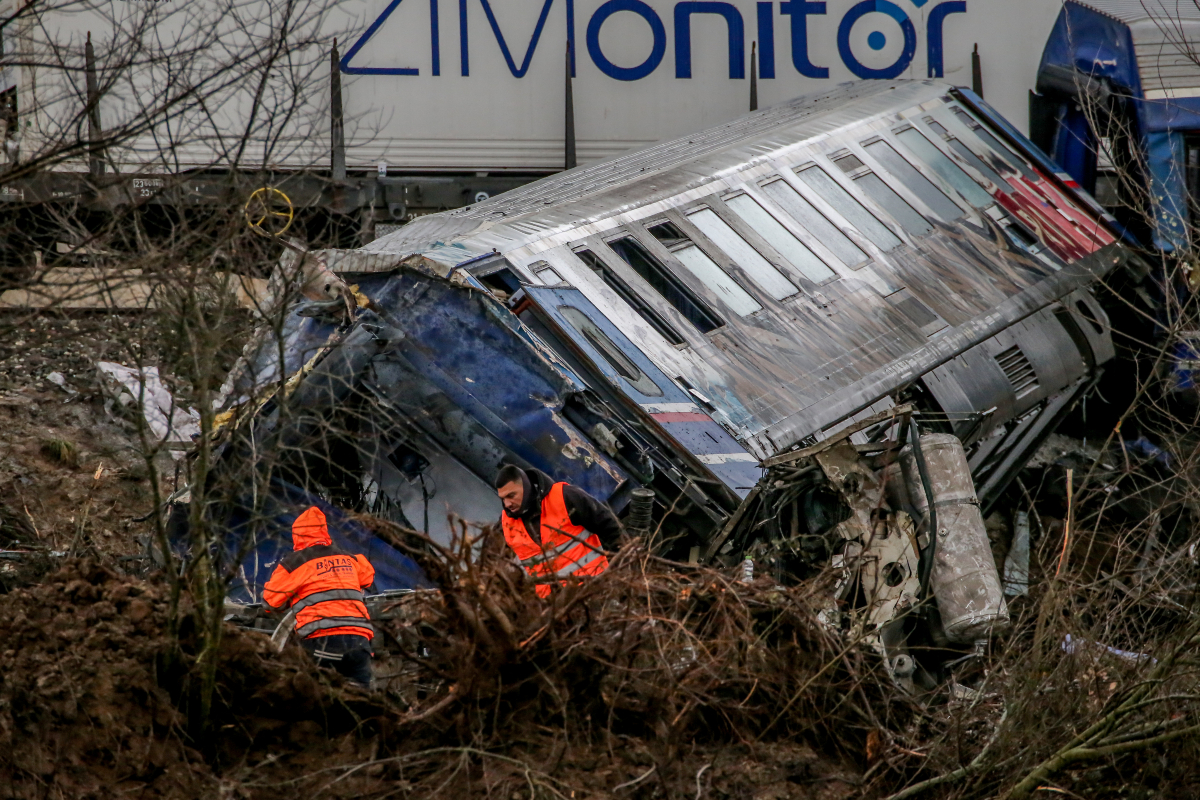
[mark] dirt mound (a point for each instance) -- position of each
(81, 712)
(90, 707)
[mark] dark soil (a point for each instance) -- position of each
(90, 707)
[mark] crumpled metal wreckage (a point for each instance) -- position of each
(828, 333)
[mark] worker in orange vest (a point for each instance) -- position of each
(324, 585)
(555, 529)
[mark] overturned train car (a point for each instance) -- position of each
(730, 319)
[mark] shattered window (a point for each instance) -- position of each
(669, 234)
(761, 271)
(813, 221)
(609, 350)
(942, 207)
(635, 301)
(779, 237)
(832, 192)
(947, 170)
(666, 284)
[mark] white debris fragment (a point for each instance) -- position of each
(169, 422)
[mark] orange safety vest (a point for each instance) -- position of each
(566, 548)
(323, 584)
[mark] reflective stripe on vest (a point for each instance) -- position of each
(333, 622)
(579, 563)
(321, 597)
(554, 552)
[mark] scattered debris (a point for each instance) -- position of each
(169, 423)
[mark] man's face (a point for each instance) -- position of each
(512, 495)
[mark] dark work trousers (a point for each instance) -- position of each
(347, 653)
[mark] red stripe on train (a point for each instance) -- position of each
(681, 416)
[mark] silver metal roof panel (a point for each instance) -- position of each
(644, 176)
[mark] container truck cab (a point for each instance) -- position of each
(1119, 109)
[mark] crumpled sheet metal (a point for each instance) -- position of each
(802, 364)
(452, 362)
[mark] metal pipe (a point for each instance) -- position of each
(337, 133)
(569, 160)
(95, 152)
(976, 72)
(754, 76)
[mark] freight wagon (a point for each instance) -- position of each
(425, 105)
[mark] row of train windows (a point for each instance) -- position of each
(766, 224)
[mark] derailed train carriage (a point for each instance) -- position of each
(830, 331)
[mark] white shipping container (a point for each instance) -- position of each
(479, 84)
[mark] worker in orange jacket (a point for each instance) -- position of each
(555, 529)
(324, 585)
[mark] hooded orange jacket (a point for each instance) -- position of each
(323, 582)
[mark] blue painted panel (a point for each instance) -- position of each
(1093, 44)
(549, 301)
(676, 412)
(1168, 190)
(481, 358)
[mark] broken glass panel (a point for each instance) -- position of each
(670, 287)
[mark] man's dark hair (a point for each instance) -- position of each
(508, 474)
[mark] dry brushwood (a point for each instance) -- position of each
(670, 656)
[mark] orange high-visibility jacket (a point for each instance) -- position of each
(566, 548)
(322, 582)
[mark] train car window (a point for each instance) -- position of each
(704, 268)
(669, 234)
(942, 207)
(813, 221)
(884, 196)
(761, 271)
(546, 274)
(780, 238)
(631, 298)
(1001, 149)
(841, 200)
(926, 152)
(670, 287)
(609, 350)
(968, 155)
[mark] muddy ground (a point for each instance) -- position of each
(72, 474)
(96, 695)
(652, 683)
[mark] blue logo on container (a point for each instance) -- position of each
(885, 20)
